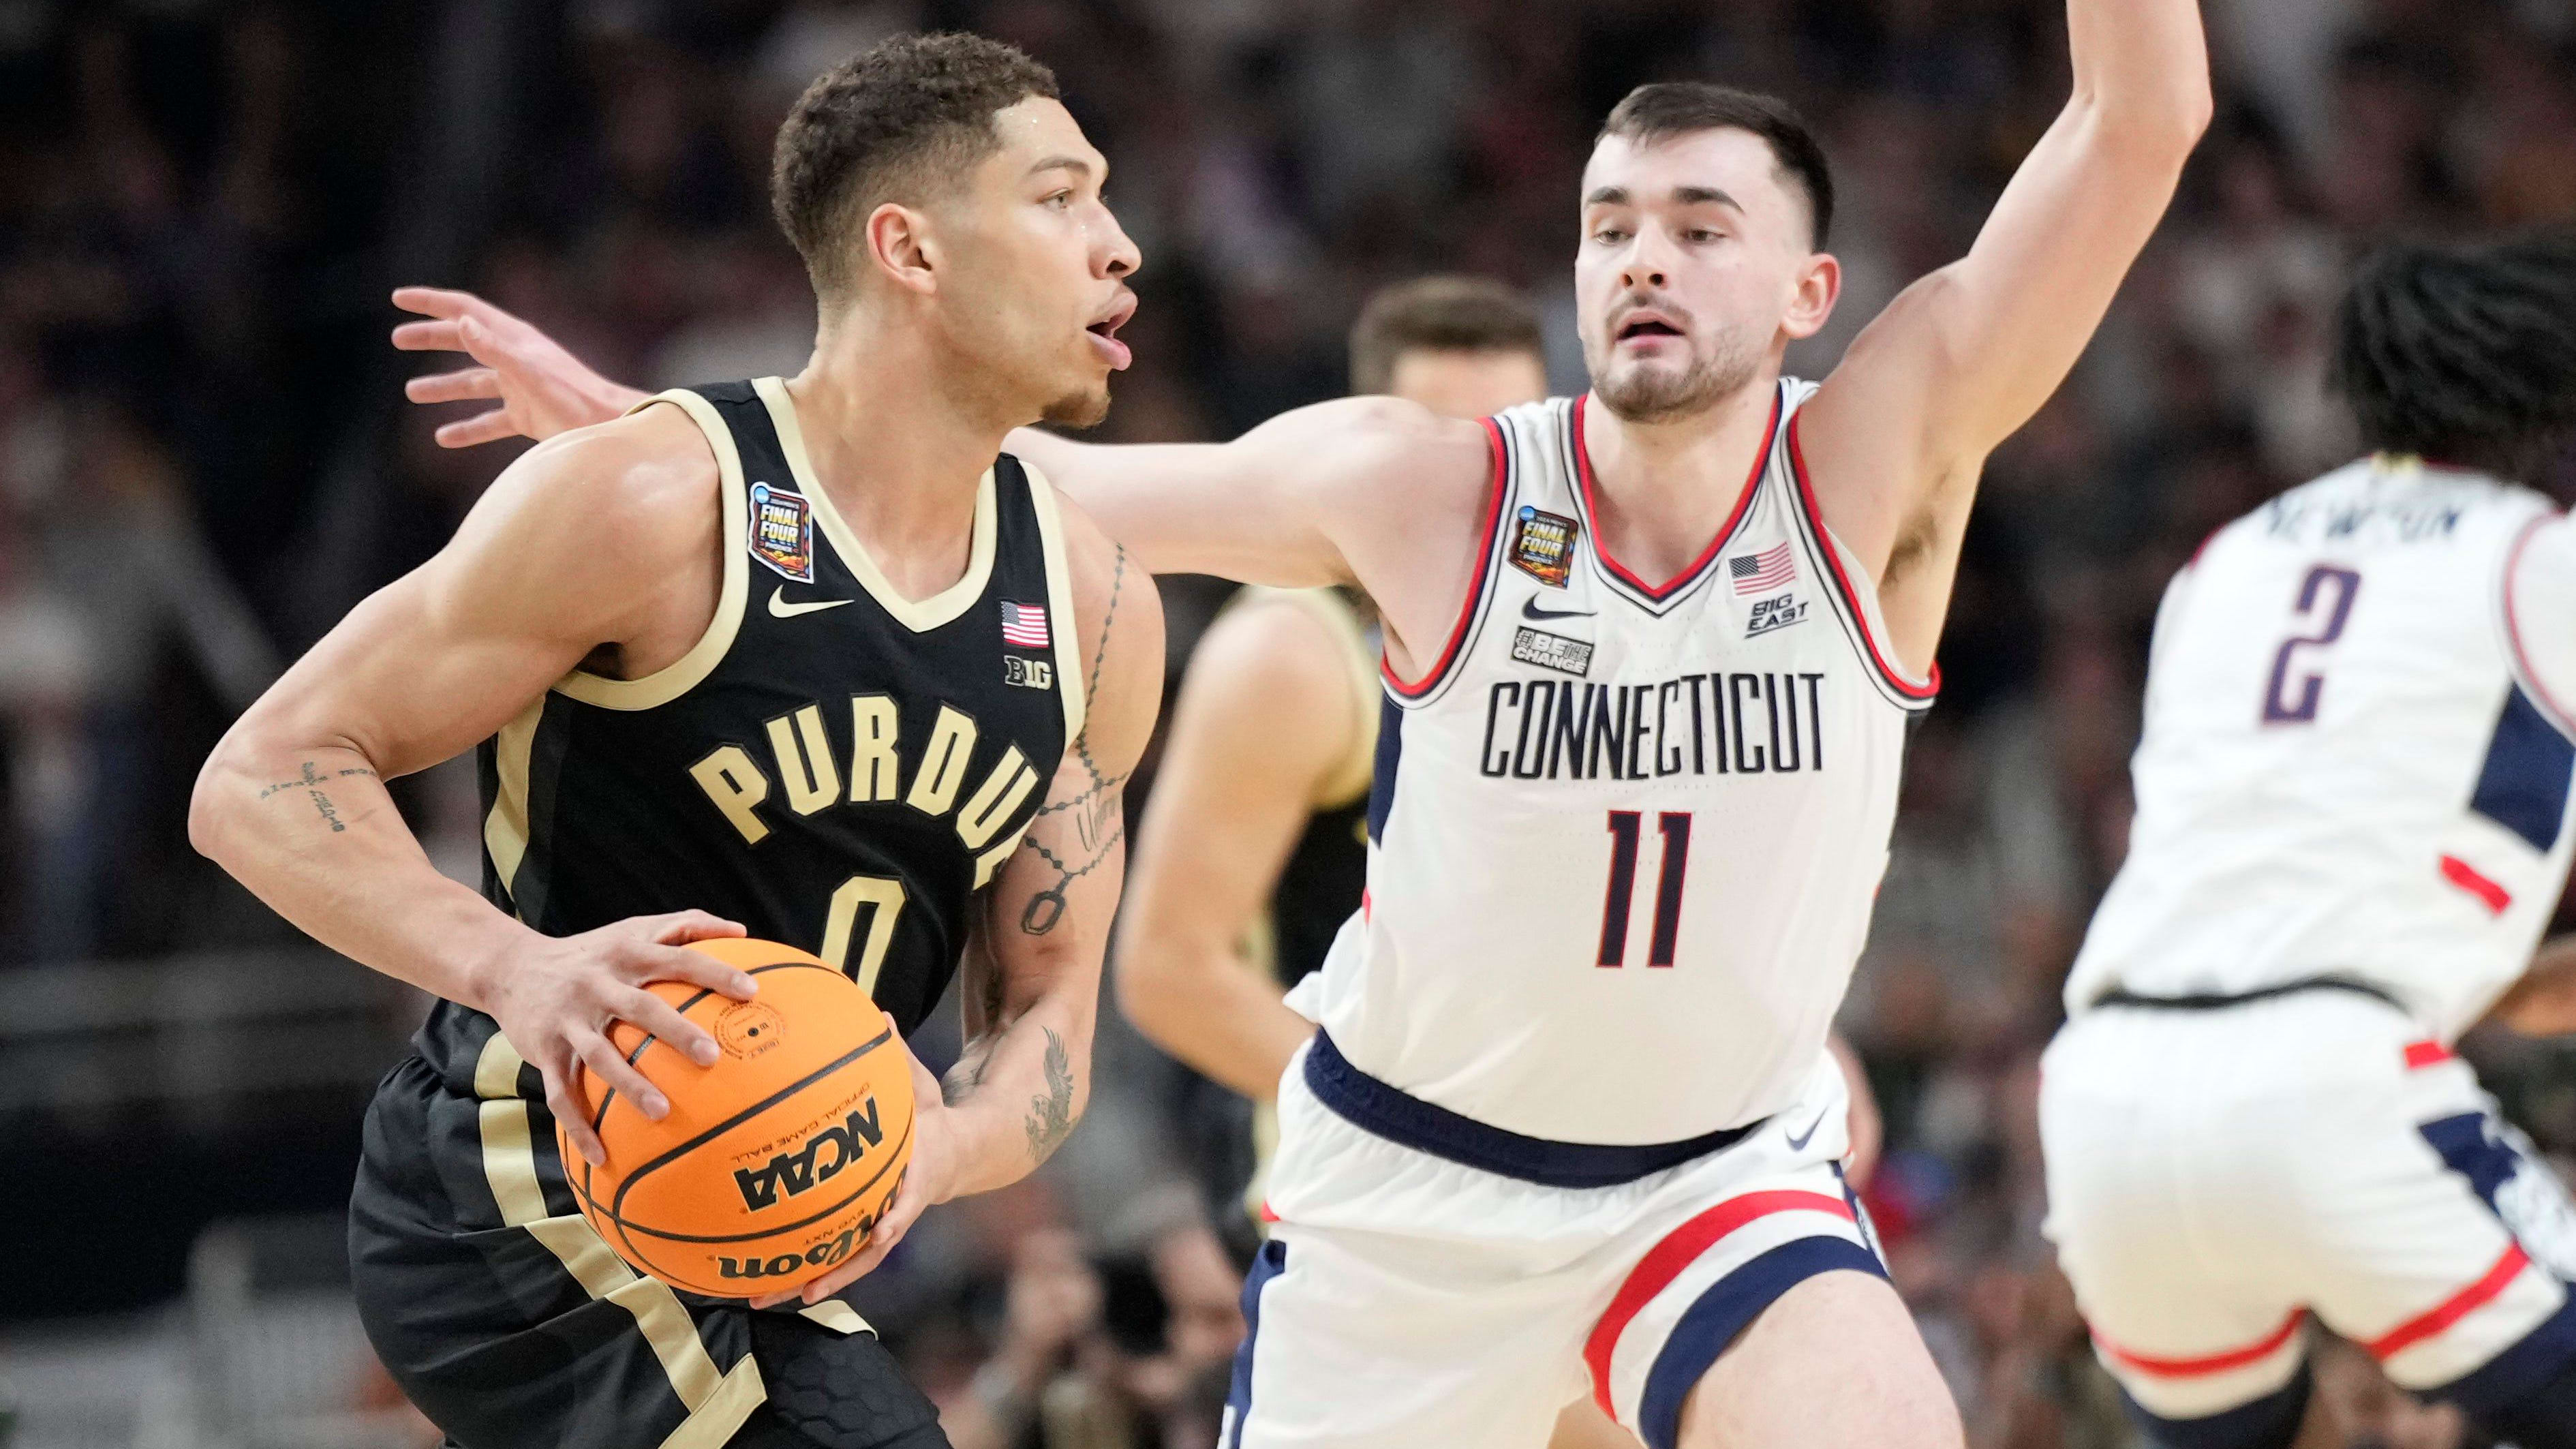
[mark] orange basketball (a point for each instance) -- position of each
(774, 1163)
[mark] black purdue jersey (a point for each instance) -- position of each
(832, 765)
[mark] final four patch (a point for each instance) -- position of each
(782, 532)
(1543, 546)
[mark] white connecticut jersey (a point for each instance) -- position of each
(2357, 755)
(1624, 838)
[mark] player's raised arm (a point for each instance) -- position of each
(1896, 437)
(293, 801)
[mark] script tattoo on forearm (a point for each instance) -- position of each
(1096, 813)
(1051, 1116)
(311, 782)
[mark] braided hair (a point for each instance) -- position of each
(2463, 355)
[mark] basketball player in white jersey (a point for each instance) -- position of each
(2352, 827)
(1569, 1126)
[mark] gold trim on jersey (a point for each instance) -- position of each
(717, 1402)
(1069, 678)
(684, 674)
(1332, 607)
(920, 616)
(505, 829)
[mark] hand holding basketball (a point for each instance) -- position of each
(556, 1000)
(929, 1178)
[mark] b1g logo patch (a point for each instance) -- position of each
(1543, 546)
(782, 532)
(1552, 651)
(1027, 673)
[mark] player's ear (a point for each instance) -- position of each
(1820, 284)
(898, 246)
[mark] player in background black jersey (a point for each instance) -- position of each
(749, 641)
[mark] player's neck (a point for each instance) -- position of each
(1661, 490)
(898, 453)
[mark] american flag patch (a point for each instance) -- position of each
(1025, 624)
(1760, 573)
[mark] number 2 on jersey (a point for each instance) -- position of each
(2277, 708)
(1625, 827)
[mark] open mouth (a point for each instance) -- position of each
(1104, 331)
(1647, 325)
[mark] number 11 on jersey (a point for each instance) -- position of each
(1625, 828)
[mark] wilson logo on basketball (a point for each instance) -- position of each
(822, 1255)
(797, 1172)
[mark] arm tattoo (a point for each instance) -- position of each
(966, 1076)
(1052, 1116)
(1098, 815)
(310, 782)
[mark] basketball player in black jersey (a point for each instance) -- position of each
(809, 659)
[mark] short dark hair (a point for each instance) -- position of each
(881, 126)
(1662, 110)
(1437, 314)
(2464, 355)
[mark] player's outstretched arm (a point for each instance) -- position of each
(1897, 436)
(1030, 976)
(548, 566)
(1265, 716)
(542, 388)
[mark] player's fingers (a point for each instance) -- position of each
(697, 968)
(680, 927)
(459, 386)
(488, 427)
(573, 1116)
(842, 1276)
(662, 1019)
(427, 337)
(601, 1057)
(443, 302)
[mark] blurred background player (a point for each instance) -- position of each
(798, 654)
(2352, 828)
(1255, 849)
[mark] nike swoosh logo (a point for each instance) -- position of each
(1799, 1144)
(779, 608)
(1530, 610)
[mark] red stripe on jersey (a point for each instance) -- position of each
(2458, 1306)
(1679, 1249)
(1475, 583)
(2216, 1363)
(1930, 685)
(2464, 875)
(2426, 1053)
(1743, 500)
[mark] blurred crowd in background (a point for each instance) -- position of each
(204, 460)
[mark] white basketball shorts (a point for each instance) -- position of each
(1406, 1299)
(2215, 1176)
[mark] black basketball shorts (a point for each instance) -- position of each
(509, 1321)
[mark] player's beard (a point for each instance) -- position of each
(1647, 394)
(1081, 409)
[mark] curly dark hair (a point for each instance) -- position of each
(885, 125)
(2464, 355)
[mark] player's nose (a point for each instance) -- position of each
(1117, 255)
